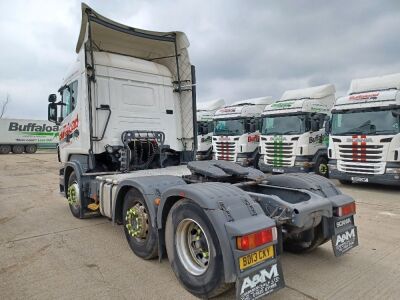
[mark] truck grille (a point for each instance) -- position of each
(361, 157)
(278, 154)
(225, 151)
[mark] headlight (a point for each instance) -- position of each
(393, 170)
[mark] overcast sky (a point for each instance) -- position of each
(241, 49)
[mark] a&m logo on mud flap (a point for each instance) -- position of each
(345, 241)
(261, 283)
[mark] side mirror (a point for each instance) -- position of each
(396, 113)
(52, 112)
(314, 124)
(52, 98)
(328, 126)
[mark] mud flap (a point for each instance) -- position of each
(345, 236)
(265, 280)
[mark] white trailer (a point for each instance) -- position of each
(293, 136)
(364, 142)
(236, 131)
(205, 127)
(22, 135)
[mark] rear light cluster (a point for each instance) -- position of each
(345, 210)
(256, 239)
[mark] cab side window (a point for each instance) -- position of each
(69, 98)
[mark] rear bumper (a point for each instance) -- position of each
(386, 179)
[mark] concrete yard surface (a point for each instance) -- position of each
(46, 253)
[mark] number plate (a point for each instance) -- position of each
(278, 170)
(256, 257)
(345, 240)
(359, 179)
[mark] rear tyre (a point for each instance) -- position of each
(18, 149)
(344, 182)
(30, 149)
(73, 196)
(193, 250)
(138, 227)
(321, 167)
(5, 149)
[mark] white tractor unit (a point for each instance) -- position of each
(364, 142)
(205, 127)
(21, 135)
(127, 143)
(293, 137)
(236, 131)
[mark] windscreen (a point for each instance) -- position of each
(205, 127)
(229, 127)
(372, 122)
(293, 124)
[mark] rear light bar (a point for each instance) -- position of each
(256, 239)
(345, 210)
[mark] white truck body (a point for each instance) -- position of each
(236, 131)
(364, 142)
(288, 141)
(27, 132)
(205, 114)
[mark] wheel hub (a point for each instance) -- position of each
(192, 246)
(323, 168)
(137, 222)
(73, 194)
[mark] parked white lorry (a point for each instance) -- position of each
(21, 135)
(205, 127)
(127, 111)
(236, 131)
(293, 136)
(364, 142)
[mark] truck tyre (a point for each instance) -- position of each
(30, 149)
(321, 166)
(18, 149)
(73, 196)
(345, 182)
(298, 246)
(5, 149)
(138, 227)
(193, 250)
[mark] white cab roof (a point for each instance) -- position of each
(315, 92)
(254, 101)
(210, 105)
(386, 82)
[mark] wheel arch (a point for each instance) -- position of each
(224, 205)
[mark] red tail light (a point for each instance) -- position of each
(253, 240)
(345, 210)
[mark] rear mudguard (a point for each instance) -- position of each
(231, 211)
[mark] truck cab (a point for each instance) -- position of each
(364, 141)
(205, 127)
(293, 134)
(236, 131)
(123, 106)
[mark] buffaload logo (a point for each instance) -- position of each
(32, 127)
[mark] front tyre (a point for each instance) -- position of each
(74, 196)
(193, 250)
(5, 149)
(138, 227)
